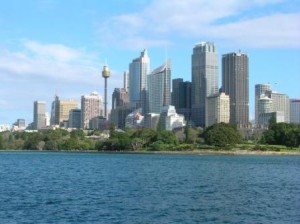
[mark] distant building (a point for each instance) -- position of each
(90, 108)
(264, 118)
(139, 68)
(120, 107)
(159, 89)
(20, 124)
(60, 110)
(99, 123)
(134, 119)
(217, 109)
(126, 81)
(151, 120)
(204, 79)
(170, 120)
(268, 102)
(181, 97)
(39, 115)
(281, 103)
(75, 118)
(235, 83)
(261, 92)
(295, 111)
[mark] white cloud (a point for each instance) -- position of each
(38, 70)
(230, 20)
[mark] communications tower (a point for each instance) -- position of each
(105, 75)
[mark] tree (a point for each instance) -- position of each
(282, 134)
(221, 135)
(1, 142)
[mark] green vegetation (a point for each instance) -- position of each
(222, 135)
(282, 134)
(280, 137)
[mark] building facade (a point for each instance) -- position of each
(90, 108)
(158, 89)
(295, 111)
(181, 97)
(170, 120)
(235, 83)
(204, 79)
(139, 68)
(217, 109)
(281, 103)
(75, 118)
(120, 108)
(261, 91)
(39, 115)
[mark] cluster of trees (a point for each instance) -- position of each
(282, 134)
(58, 139)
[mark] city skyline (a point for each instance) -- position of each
(55, 47)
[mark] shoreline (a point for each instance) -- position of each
(191, 152)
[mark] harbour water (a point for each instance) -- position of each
(41, 187)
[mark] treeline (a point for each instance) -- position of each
(217, 136)
(282, 134)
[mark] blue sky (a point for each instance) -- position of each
(54, 46)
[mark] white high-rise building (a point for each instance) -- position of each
(295, 111)
(159, 89)
(139, 68)
(217, 109)
(204, 79)
(90, 108)
(281, 102)
(261, 91)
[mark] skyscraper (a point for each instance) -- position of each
(204, 79)
(181, 97)
(139, 68)
(90, 108)
(39, 115)
(119, 109)
(295, 111)
(235, 83)
(159, 89)
(261, 90)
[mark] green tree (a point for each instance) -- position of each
(221, 135)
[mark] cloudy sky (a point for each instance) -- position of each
(50, 47)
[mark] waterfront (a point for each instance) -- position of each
(41, 187)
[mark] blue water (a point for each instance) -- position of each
(38, 187)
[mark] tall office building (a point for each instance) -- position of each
(217, 109)
(235, 83)
(295, 111)
(159, 89)
(120, 107)
(176, 92)
(90, 108)
(139, 68)
(60, 110)
(126, 81)
(261, 91)
(181, 97)
(204, 79)
(39, 115)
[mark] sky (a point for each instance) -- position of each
(50, 47)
